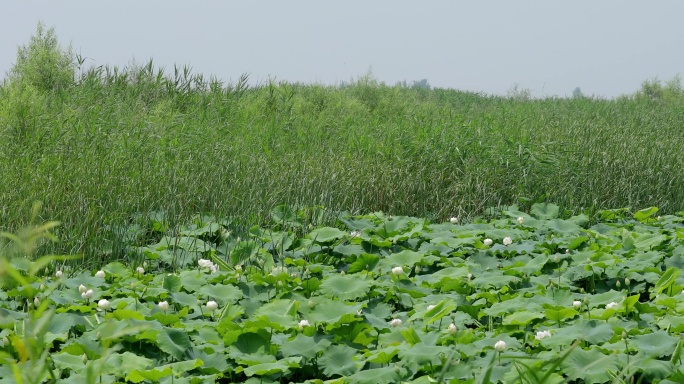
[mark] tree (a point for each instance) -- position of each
(577, 93)
(422, 84)
(43, 64)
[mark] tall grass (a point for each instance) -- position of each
(113, 142)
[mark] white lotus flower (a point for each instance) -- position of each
(140, 270)
(521, 220)
(82, 288)
(430, 307)
(577, 304)
(469, 276)
(36, 301)
(87, 294)
(355, 234)
(163, 305)
(500, 346)
(454, 220)
(204, 263)
(103, 304)
(543, 334)
(212, 305)
(398, 271)
(100, 274)
(612, 305)
(488, 242)
(58, 274)
(452, 328)
(395, 323)
(507, 241)
(278, 270)
(303, 323)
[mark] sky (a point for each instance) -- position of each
(607, 48)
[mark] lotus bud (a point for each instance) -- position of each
(163, 305)
(103, 304)
(212, 305)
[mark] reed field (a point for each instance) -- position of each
(100, 145)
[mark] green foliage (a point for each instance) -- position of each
(301, 319)
(112, 145)
(42, 64)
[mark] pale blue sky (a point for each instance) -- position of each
(606, 47)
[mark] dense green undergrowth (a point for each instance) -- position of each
(99, 145)
(520, 298)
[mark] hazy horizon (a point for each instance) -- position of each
(607, 48)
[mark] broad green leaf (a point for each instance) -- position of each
(281, 311)
(326, 235)
(564, 227)
(591, 365)
(410, 335)
(559, 314)
(644, 214)
(252, 343)
(116, 330)
(280, 366)
(440, 310)
(384, 375)
(117, 269)
(648, 241)
(592, 331)
(153, 375)
(171, 283)
(222, 294)
(345, 287)
(339, 360)
(333, 311)
(544, 211)
(68, 361)
(521, 318)
(421, 354)
(306, 346)
(405, 258)
(174, 341)
(365, 262)
(656, 344)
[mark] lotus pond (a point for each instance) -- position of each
(532, 297)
